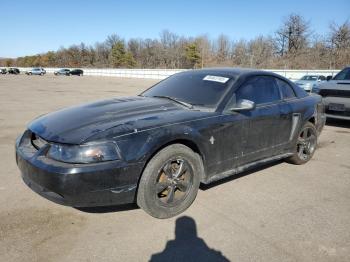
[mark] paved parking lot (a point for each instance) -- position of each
(281, 212)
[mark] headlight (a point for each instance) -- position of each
(89, 153)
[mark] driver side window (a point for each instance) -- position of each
(260, 90)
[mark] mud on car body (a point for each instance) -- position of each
(155, 149)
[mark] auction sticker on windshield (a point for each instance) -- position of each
(219, 79)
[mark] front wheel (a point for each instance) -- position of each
(305, 145)
(170, 181)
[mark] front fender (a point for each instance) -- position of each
(142, 145)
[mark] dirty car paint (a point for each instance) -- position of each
(227, 141)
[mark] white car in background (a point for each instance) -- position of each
(307, 82)
(36, 71)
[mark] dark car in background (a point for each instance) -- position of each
(63, 71)
(336, 95)
(155, 149)
(3, 71)
(13, 71)
(77, 72)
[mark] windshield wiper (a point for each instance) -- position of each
(176, 100)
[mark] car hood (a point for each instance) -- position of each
(305, 82)
(75, 125)
(336, 84)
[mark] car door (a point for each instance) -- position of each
(261, 132)
(225, 134)
(289, 118)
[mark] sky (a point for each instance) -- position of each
(32, 27)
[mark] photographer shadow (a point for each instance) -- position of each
(187, 246)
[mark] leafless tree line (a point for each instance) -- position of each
(294, 45)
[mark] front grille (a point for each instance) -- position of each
(334, 93)
(38, 142)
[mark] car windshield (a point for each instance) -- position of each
(343, 75)
(309, 78)
(195, 88)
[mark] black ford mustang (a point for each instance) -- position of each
(156, 148)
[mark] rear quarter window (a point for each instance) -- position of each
(286, 90)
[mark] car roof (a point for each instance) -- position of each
(231, 71)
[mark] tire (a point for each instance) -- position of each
(163, 190)
(305, 145)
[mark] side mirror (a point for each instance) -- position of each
(243, 105)
(329, 78)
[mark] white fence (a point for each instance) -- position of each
(163, 73)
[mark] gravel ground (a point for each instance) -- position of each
(281, 212)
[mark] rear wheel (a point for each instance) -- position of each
(170, 181)
(305, 145)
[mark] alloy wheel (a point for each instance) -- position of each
(174, 181)
(306, 144)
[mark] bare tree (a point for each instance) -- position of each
(261, 52)
(203, 43)
(240, 54)
(101, 54)
(135, 47)
(293, 35)
(112, 40)
(293, 46)
(339, 39)
(340, 35)
(222, 48)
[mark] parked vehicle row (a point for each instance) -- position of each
(68, 72)
(11, 70)
(41, 71)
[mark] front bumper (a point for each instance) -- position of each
(344, 115)
(338, 116)
(78, 185)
